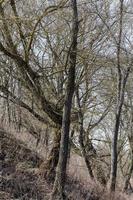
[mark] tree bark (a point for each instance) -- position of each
(58, 188)
(47, 168)
(130, 138)
(127, 181)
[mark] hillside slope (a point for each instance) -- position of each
(20, 179)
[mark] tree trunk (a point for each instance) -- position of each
(58, 189)
(83, 150)
(100, 173)
(127, 181)
(48, 168)
(114, 151)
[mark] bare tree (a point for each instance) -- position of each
(122, 80)
(58, 190)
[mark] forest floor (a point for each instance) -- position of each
(20, 179)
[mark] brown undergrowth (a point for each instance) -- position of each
(20, 178)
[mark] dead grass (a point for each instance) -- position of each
(19, 178)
